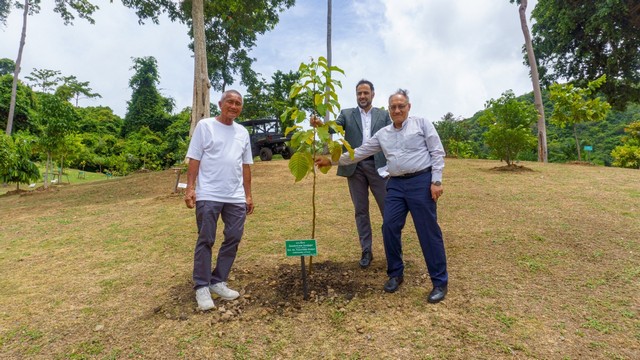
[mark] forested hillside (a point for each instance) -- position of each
(602, 136)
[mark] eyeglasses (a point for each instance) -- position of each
(397, 107)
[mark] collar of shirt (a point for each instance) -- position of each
(366, 123)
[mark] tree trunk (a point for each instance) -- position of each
(326, 100)
(47, 170)
(61, 169)
(201, 83)
(16, 71)
(575, 135)
(535, 80)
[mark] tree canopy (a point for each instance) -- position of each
(509, 121)
(232, 28)
(7, 66)
(574, 105)
(583, 40)
(147, 106)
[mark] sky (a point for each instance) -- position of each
(452, 56)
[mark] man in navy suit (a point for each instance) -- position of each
(359, 125)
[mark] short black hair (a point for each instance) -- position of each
(363, 81)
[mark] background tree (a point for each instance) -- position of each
(256, 102)
(574, 105)
(175, 139)
(83, 8)
(583, 40)
(24, 102)
(151, 9)
(232, 28)
(15, 164)
(453, 135)
(147, 106)
(55, 119)
(535, 81)
(628, 154)
(144, 149)
(7, 66)
(240, 19)
(71, 88)
(270, 100)
(45, 79)
(509, 121)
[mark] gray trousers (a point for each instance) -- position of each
(233, 217)
(364, 178)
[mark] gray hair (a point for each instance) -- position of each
(401, 92)
(224, 94)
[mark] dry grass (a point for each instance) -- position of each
(543, 264)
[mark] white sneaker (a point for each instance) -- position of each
(223, 291)
(203, 297)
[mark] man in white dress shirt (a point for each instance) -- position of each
(415, 160)
(359, 124)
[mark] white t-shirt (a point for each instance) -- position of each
(222, 150)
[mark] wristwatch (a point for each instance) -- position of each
(436, 183)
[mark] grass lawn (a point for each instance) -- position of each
(543, 264)
(69, 176)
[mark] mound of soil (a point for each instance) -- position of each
(512, 168)
(279, 291)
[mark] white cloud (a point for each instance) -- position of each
(452, 56)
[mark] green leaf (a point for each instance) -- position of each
(299, 165)
(347, 146)
(301, 116)
(322, 109)
(295, 90)
(291, 128)
(323, 133)
(335, 149)
(324, 169)
(335, 68)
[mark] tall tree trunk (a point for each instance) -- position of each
(535, 80)
(575, 135)
(326, 100)
(201, 83)
(16, 71)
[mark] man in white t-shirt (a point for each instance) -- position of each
(219, 158)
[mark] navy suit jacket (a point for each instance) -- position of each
(351, 122)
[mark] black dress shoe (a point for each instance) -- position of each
(437, 294)
(393, 283)
(365, 261)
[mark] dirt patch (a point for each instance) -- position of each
(15, 192)
(582, 163)
(280, 291)
(512, 168)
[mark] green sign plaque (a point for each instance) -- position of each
(301, 247)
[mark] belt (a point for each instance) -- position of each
(410, 175)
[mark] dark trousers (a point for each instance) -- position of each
(233, 217)
(364, 178)
(413, 195)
